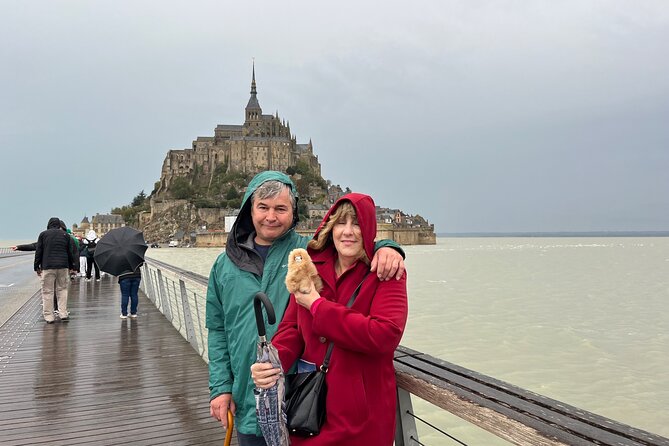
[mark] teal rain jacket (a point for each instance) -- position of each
(236, 276)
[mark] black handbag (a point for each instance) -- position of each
(306, 394)
(305, 403)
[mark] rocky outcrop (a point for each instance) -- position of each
(176, 221)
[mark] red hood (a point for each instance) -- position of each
(366, 212)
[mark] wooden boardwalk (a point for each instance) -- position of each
(101, 380)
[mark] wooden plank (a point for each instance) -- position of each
(98, 379)
(518, 415)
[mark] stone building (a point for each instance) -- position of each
(82, 228)
(103, 223)
(262, 142)
(100, 223)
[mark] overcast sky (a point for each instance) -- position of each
(490, 116)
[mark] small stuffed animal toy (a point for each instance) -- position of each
(302, 272)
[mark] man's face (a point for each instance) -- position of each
(272, 217)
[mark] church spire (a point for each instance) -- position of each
(253, 110)
(253, 80)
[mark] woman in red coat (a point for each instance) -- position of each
(361, 395)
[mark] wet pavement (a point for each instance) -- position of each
(18, 283)
(97, 379)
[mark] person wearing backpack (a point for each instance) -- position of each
(91, 242)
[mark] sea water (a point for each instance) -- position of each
(580, 320)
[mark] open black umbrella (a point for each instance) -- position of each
(120, 251)
(269, 402)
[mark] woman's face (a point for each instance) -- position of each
(347, 238)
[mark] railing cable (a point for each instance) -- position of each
(436, 428)
(416, 441)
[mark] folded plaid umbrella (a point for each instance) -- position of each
(270, 406)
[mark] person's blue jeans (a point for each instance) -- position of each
(129, 291)
(250, 440)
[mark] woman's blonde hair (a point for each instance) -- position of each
(343, 211)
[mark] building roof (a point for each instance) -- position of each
(259, 138)
(253, 102)
(112, 219)
(237, 128)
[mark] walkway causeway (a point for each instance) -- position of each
(101, 380)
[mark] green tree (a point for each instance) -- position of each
(232, 193)
(139, 199)
(302, 167)
(302, 211)
(302, 186)
(181, 188)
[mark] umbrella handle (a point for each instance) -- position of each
(228, 432)
(259, 300)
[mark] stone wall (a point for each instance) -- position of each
(406, 236)
(211, 239)
(213, 216)
(158, 207)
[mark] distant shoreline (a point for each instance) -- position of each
(557, 234)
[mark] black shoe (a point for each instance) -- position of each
(65, 319)
(50, 322)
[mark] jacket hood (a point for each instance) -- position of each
(91, 235)
(365, 210)
(243, 226)
(239, 248)
(54, 222)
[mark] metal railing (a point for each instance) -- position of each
(181, 296)
(514, 414)
(8, 252)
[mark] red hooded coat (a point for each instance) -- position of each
(361, 379)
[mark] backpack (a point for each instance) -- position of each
(91, 247)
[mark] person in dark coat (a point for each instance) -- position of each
(361, 395)
(33, 247)
(55, 255)
(129, 283)
(83, 257)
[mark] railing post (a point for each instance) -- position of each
(188, 320)
(156, 289)
(164, 299)
(153, 287)
(405, 426)
(147, 284)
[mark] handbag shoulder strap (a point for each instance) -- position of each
(326, 360)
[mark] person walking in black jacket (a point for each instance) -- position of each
(54, 256)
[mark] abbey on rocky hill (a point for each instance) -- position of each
(262, 142)
(201, 188)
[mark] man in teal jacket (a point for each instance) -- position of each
(255, 259)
